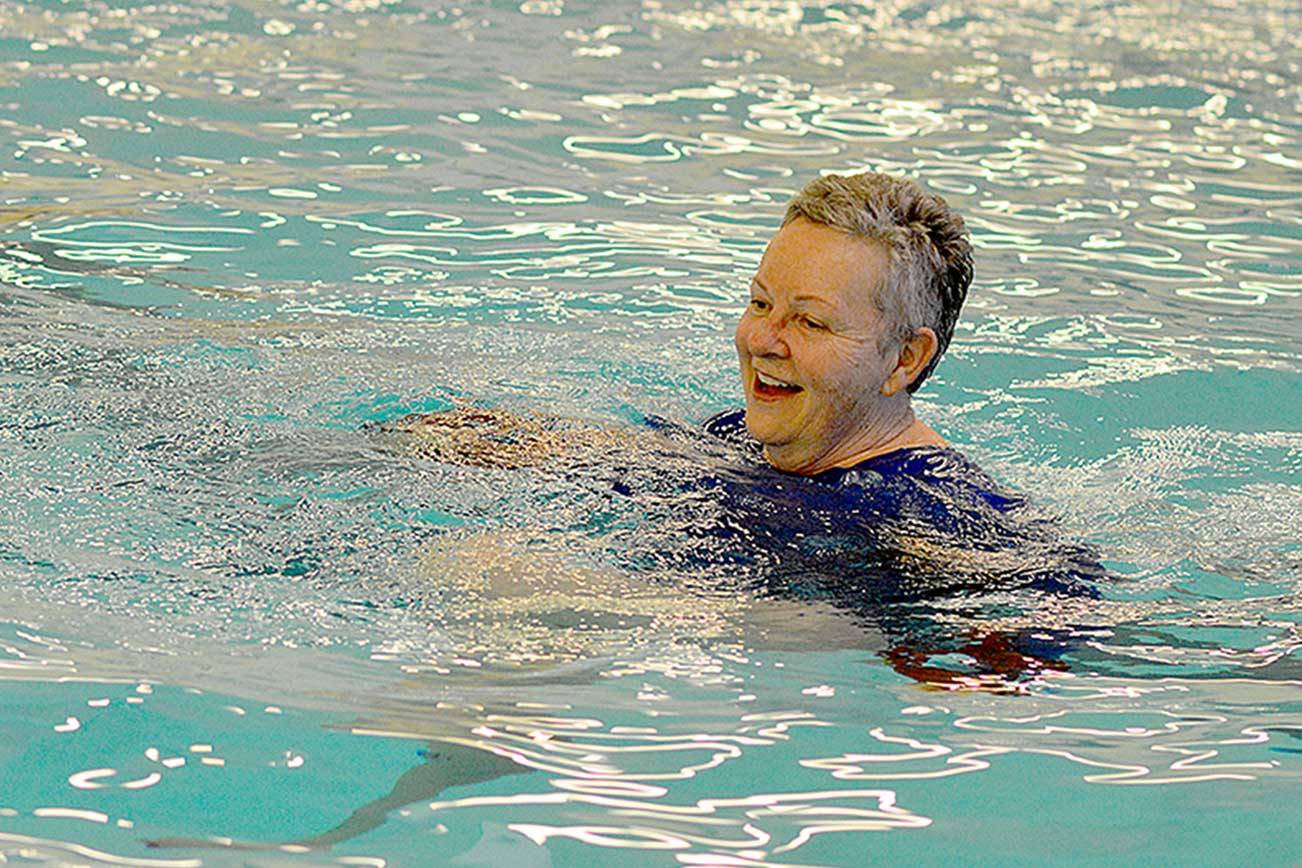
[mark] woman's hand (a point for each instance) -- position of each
(480, 437)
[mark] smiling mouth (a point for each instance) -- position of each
(771, 387)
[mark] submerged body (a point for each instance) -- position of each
(910, 524)
(702, 505)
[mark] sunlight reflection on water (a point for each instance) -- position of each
(231, 236)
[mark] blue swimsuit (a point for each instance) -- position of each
(908, 525)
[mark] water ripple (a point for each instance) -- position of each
(233, 236)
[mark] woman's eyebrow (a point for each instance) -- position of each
(817, 300)
(804, 297)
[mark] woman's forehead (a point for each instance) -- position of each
(813, 263)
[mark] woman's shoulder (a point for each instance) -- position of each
(945, 468)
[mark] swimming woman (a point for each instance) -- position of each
(852, 307)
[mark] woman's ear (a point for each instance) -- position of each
(915, 354)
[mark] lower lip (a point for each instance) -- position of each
(771, 393)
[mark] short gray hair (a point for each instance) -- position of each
(927, 244)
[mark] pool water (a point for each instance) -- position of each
(238, 628)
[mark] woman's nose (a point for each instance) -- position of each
(766, 337)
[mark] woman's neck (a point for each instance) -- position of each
(904, 432)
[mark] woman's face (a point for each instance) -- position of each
(809, 345)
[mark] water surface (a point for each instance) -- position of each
(231, 235)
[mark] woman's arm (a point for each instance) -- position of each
(482, 437)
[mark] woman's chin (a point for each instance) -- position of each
(771, 433)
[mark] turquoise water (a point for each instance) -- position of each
(233, 234)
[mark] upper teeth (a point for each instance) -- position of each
(770, 381)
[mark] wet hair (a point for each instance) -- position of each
(928, 248)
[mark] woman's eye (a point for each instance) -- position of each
(759, 304)
(813, 324)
